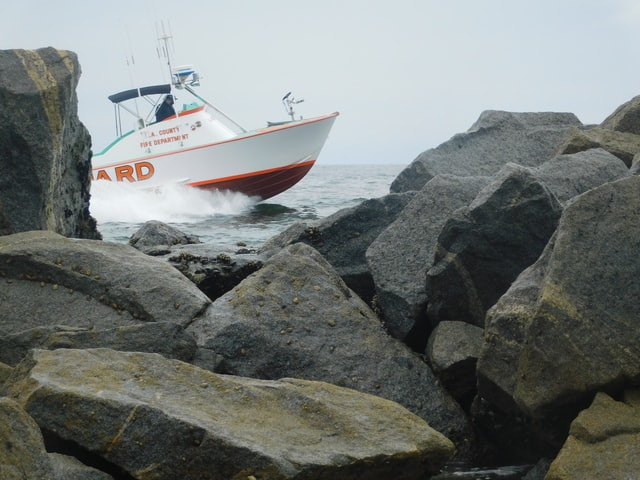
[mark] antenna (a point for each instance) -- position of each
(289, 102)
(165, 41)
(132, 68)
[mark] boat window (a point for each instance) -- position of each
(189, 106)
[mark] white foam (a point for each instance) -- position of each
(119, 202)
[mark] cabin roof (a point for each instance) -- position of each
(139, 92)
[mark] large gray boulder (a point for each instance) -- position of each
(155, 235)
(52, 280)
(483, 248)
(528, 139)
(45, 158)
(569, 175)
(567, 327)
(626, 118)
(604, 442)
(295, 317)
(343, 238)
(165, 419)
(401, 255)
(22, 452)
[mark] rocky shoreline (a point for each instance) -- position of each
(483, 312)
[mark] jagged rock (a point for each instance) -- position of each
(452, 351)
(166, 338)
(70, 468)
(52, 280)
(401, 255)
(165, 419)
(604, 442)
(564, 330)
(343, 238)
(482, 248)
(570, 175)
(621, 144)
(154, 235)
(22, 452)
(296, 318)
(214, 270)
(45, 158)
(528, 139)
(626, 118)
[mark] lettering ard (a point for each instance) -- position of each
(132, 173)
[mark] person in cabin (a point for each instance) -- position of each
(165, 109)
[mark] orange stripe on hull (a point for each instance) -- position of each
(264, 184)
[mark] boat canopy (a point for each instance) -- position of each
(140, 92)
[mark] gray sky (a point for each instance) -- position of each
(405, 75)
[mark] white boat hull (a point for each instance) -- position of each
(260, 163)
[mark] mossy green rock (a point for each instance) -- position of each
(165, 419)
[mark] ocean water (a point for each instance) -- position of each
(226, 218)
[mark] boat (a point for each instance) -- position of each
(200, 146)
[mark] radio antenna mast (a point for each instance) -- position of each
(165, 42)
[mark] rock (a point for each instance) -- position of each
(482, 248)
(154, 234)
(70, 468)
(452, 351)
(296, 318)
(5, 371)
(564, 330)
(626, 118)
(45, 157)
(621, 144)
(570, 175)
(539, 470)
(528, 139)
(604, 442)
(401, 255)
(166, 338)
(22, 452)
(48, 279)
(160, 418)
(343, 238)
(214, 270)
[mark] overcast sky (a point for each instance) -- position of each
(405, 75)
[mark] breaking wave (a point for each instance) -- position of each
(113, 202)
